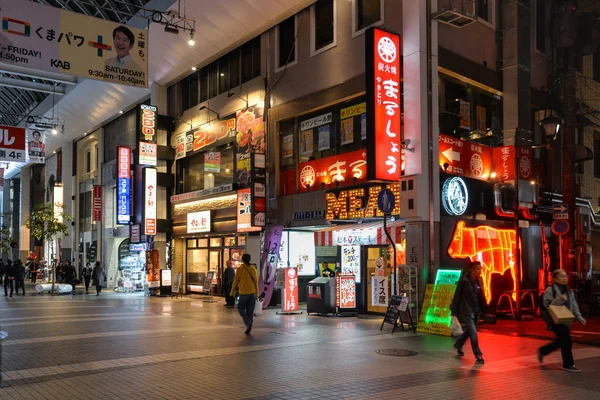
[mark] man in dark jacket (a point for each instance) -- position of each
(467, 305)
(70, 273)
(9, 278)
(228, 277)
(19, 276)
(98, 277)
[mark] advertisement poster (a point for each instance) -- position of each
(148, 117)
(347, 131)
(290, 290)
(345, 291)
(12, 143)
(37, 146)
(316, 121)
(353, 111)
(244, 211)
(351, 261)
(306, 144)
(250, 129)
(212, 161)
(124, 185)
(179, 146)
(465, 114)
(152, 269)
(324, 138)
(288, 146)
(148, 153)
(363, 127)
(481, 120)
(50, 39)
(268, 262)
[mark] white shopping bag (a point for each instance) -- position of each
(456, 330)
(258, 308)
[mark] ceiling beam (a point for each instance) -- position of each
(36, 74)
(32, 86)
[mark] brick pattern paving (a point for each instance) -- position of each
(130, 347)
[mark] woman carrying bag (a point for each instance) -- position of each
(246, 281)
(559, 294)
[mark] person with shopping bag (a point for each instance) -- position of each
(467, 305)
(559, 308)
(246, 281)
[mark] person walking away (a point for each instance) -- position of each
(1, 271)
(9, 278)
(19, 276)
(98, 277)
(467, 305)
(69, 271)
(87, 276)
(559, 294)
(246, 281)
(33, 270)
(228, 278)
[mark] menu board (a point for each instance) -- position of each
(351, 261)
(435, 315)
(208, 281)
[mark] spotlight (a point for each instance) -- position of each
(172, 29)
(493, 175)
(54, 131)
(191, 42)
(121, 112)
(194, 68)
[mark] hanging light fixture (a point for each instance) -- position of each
(191, 42)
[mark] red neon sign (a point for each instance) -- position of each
(212, 133)
(290, 290)
(386, 104)
(343, 168)
(124, 162)
(493, 247)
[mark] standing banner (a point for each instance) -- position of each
(290, 290)
(50, 39)
(268, 262)
(153, 269)
(12, 141)
(351, 261)
(345, 292)
(97, 203)
(36, 146)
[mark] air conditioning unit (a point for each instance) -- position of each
(456, 13)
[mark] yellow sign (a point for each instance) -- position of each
(50, 39)
(353, 111)
(359, 203)
(435, 315)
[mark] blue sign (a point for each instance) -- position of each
(386, 201)
(123, 201)
(560, 227)
(138, 247)
(560, 208)
(455, 196)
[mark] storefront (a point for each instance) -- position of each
(131, 269)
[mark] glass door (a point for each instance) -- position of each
(214, 264)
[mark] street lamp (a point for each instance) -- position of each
(551, 126)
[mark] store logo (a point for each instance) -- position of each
(387, 49)
(476, 165)
(291, 272)
(307, 176)
(455, 196)
(525, 167)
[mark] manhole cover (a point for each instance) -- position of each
(396, 352)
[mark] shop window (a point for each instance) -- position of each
(202, 243)
(322, 17)
(185, 93)
(286, 43)
(298, 250)
(256, 57)
(540, 26)
(208, 169)
(215, 242)
(286, 140)
(366, 13)
(247, 66)
(597, 159)
(191, 243)
(229, 241)
(88, 161)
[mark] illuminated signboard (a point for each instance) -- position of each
(504, 163)
(148, 153)
(345, 291)
(359, 202)
(342, 169)
(148, 118)
(12, 143)
(383, 97)
(455, 196)
(150, 201)
(436, 316)
(290, 290)
(351, 261)
(492, 247)
(464, 158)
(123, 185)
(58, 202)
(97, 203)
(447, 276)
(244, 211)
(198, 222)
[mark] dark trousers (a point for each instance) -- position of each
(229, 299)
(98, 288)
(20, 283)
(246, 308)
(33, 277)
(7, 283)
(470, 332)
(87, 283)
(562, 342)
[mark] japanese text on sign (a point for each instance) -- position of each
(346, 291)
(351, 261)
(290, 290)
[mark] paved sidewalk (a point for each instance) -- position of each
(120, 346)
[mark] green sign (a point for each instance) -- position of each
(435, 315)
(447, 276)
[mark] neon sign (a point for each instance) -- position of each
(123, 185)
(493, 247)
(148, 121)
(359, 203)
(455, 196)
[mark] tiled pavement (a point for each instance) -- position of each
(122, 346)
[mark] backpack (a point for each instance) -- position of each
(544, 313)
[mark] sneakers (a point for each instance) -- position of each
(248, 330)
(479, 360)
(572, 369)
(540, 356)
(459, 351)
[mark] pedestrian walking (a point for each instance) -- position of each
(467, 305)
(559, 294)
(19, 277)
(87, 276)
(70, 274)
(1, 271)
(246, 281)
(228, 278)
(98, 277)
(33, 270)
(9, 278)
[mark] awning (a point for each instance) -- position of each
(366, 233)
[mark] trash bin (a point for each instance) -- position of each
(320, 298)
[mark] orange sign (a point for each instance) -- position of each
(290, 290)
(359, 202)
(460, 157)
(346, 291)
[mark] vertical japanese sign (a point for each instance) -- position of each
(268, 262)
(50, 39)
(97, 203)
(504, 163)
(148, 117)
(351, 261)
(36, 146)
(58, 202)
(380, 291)
(153, 268)
(250, 138)
(244, 211)
(12, 141)
(259, 189)
(150, 201)
(383, 105)
(290, 290)
(178, 143)
(345, 291)
(123, 185)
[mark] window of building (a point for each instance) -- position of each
(597, 159)
(213, 79)
(234, 68)
(208, 169)
(286, 43)
(203, 84)
(540, 26)
(366, 13)
(224, 74)
(485, 11)
(88, 161)
(322, 30)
